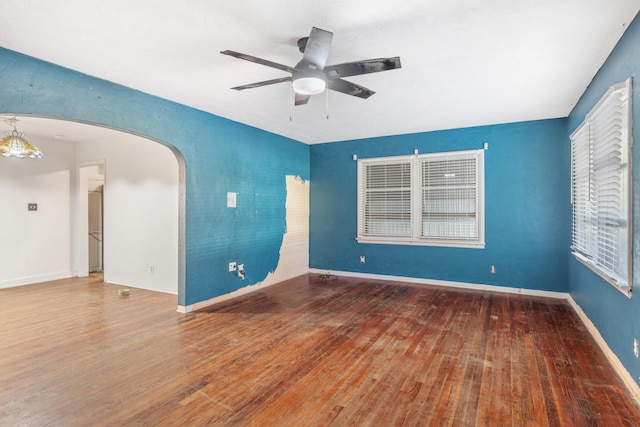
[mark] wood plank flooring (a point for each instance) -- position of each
(308, 351)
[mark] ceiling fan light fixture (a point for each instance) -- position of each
(311, 76)
(309, 85)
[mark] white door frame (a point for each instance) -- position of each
(80, 219)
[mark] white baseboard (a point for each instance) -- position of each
(622, 372)
(234, 294)
(139, 286)
(463, 285)
(22, 281)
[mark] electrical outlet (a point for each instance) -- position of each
(493, 268)
(232, 266)
(635, 347)
(151, 269)
(241, 271)
(361, 259)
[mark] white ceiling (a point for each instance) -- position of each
(464, 62)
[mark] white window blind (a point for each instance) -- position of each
(601, 187)
(581, 190)
(450, 197)
(386, 207)
(429, 199)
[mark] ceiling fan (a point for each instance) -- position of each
(311, 77)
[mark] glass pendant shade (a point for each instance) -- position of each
(14, 145)
(309, 85)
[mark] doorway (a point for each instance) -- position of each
(91, 185)
(95, 208)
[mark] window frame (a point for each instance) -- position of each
(415, 236)
(589, 224)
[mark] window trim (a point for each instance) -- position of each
(587, 259)
(415, 237)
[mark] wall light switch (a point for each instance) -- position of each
(32, 206)
(232, 199)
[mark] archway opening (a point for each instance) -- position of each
(144, 197)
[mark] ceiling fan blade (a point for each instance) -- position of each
(302, 99)
(264, 83)
(363, 67)
(349, 88)
(258, 60)
(317, 48)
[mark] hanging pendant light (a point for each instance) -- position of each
(14, 144)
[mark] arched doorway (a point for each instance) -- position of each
(144, 204)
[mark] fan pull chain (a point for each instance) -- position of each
(291, 103)
(327, 91)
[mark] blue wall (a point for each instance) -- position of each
(527, 208)
(616, 317)
(219, 156)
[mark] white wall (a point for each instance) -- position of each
(140, 211)
(35, 246)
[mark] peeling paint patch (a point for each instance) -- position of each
(294, 251)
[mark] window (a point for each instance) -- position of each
(601, 188)
(428, 199)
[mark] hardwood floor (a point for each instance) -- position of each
(305, 352)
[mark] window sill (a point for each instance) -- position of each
(624, 289)
(420, 242)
